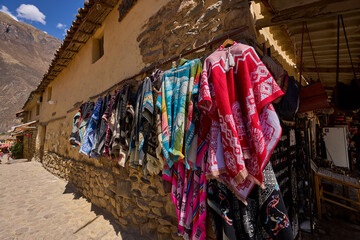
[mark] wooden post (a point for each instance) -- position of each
(317, 190)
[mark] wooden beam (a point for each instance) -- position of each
(326, 49)
(76, 41)
(324, 29)
(341, 197)
(330, 70)
(288, 37)
(52, 120)
(93, 23)
(329, 55)
(52, 75)
(103, 5)
(323, 8)
(70, 50)
(83, 32)
(60, 65)
(340, 204)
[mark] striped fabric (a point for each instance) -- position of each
(183, 152)
(180, 87)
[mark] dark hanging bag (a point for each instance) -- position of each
(289, 104)
(313, 97)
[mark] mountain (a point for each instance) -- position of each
(25, 55)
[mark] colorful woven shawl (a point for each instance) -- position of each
(238, 103)
(178, 90)
(184, 154)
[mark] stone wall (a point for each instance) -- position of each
(138, 203)
(182, 25)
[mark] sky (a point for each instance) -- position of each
(51, 16)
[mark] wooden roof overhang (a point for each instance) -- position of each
(285, 20)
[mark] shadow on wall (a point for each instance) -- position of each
(122, 232)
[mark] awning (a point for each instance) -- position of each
(19, 130)
(20, 114)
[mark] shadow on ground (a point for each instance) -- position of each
(127, 234)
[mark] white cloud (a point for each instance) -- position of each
(60, 26)
(30, 12)
(4, 9)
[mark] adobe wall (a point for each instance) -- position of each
(152, 30)
(29, 144)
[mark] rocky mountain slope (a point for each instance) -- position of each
(25, 54)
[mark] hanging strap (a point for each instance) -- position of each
(301, 54)
(337, 50)
(312, 51)
(347, 44)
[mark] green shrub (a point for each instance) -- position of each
(17, 150)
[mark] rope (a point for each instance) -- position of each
(312, 51)
(337, 50)
(347, 44)
(301, 54)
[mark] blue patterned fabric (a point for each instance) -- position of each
(179, 86)
(89, 137)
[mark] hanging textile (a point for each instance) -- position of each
(179, 89)
(118, 118)
(81, 119)
(110, 122)
(275, 69)
(125, 128)
(154, 157)
(237, 95)
(74, 136)
(142, 123)
(91, 129)
(85, 118)
(264, 216)
(289, 103)
(189, 196)
(220, 125)
(184, 168)
(99, 140)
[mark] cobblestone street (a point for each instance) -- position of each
(37, 205)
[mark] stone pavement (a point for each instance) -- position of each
(34, 204)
